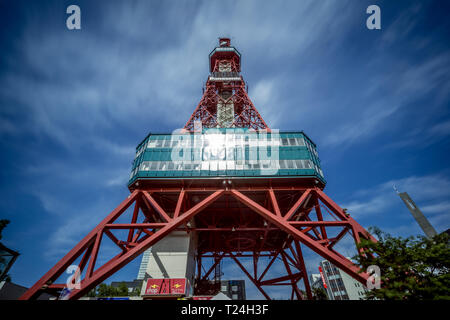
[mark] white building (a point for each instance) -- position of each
(339, 285)
(171, 257)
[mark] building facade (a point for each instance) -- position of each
(235, 289)
(132, 286)
(337, 284)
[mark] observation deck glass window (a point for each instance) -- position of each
(187, 166)
(166, 143)
(162, 165)
(265, 164)
(300, 142)
(290, 164)
(213, 165)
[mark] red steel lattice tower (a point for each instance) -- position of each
(264, 209)
(225, 102)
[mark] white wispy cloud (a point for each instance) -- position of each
(430, 193)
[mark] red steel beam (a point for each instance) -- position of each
(115, 240)
(213, 266)
(271, 282)
(179, 202)
(293, 282)
(255, 282)
(212, 189)
(274, 202)
(319, 223)
(94, 254)
(134, 219)
(135, 225)
(156, 206)
(73, 254)
(303, 269)
(297, 205)
(117, 264)
(345, 264)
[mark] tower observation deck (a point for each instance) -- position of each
(229, 187)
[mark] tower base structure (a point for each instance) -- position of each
(245, 190)
(233, 219)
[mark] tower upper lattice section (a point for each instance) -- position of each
(225, 103)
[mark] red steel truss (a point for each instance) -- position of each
(258, 219)
(246, 115)
(226, 90)
(231, 222)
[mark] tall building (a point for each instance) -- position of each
(423, 222)
(144, 263)
(315, 280)
(172, 257)
(132, 286)
(235, 289)
(337, 284)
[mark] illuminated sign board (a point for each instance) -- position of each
(323, 279)
(166, 286)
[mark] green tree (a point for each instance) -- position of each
(413, 268)
(92, 293)
(319, 294)
(104, 290)
(136, 292)
(122, 290)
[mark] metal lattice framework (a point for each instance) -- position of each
(246, 218)
(165, 210)
(245, 113)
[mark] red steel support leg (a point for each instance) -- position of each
(303, 269)
(255, 282)
(94, 277)
(73, 254)
(159, 223)
(205, 276)
(342, 263)
(293, 281)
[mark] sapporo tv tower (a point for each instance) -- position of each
(227, 186)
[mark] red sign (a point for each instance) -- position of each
(323, 279)
(202, 297)
(165, 286)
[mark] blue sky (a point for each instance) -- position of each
(74, 104)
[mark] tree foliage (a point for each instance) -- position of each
(319, 294)
(413, 268)
(104, 290)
